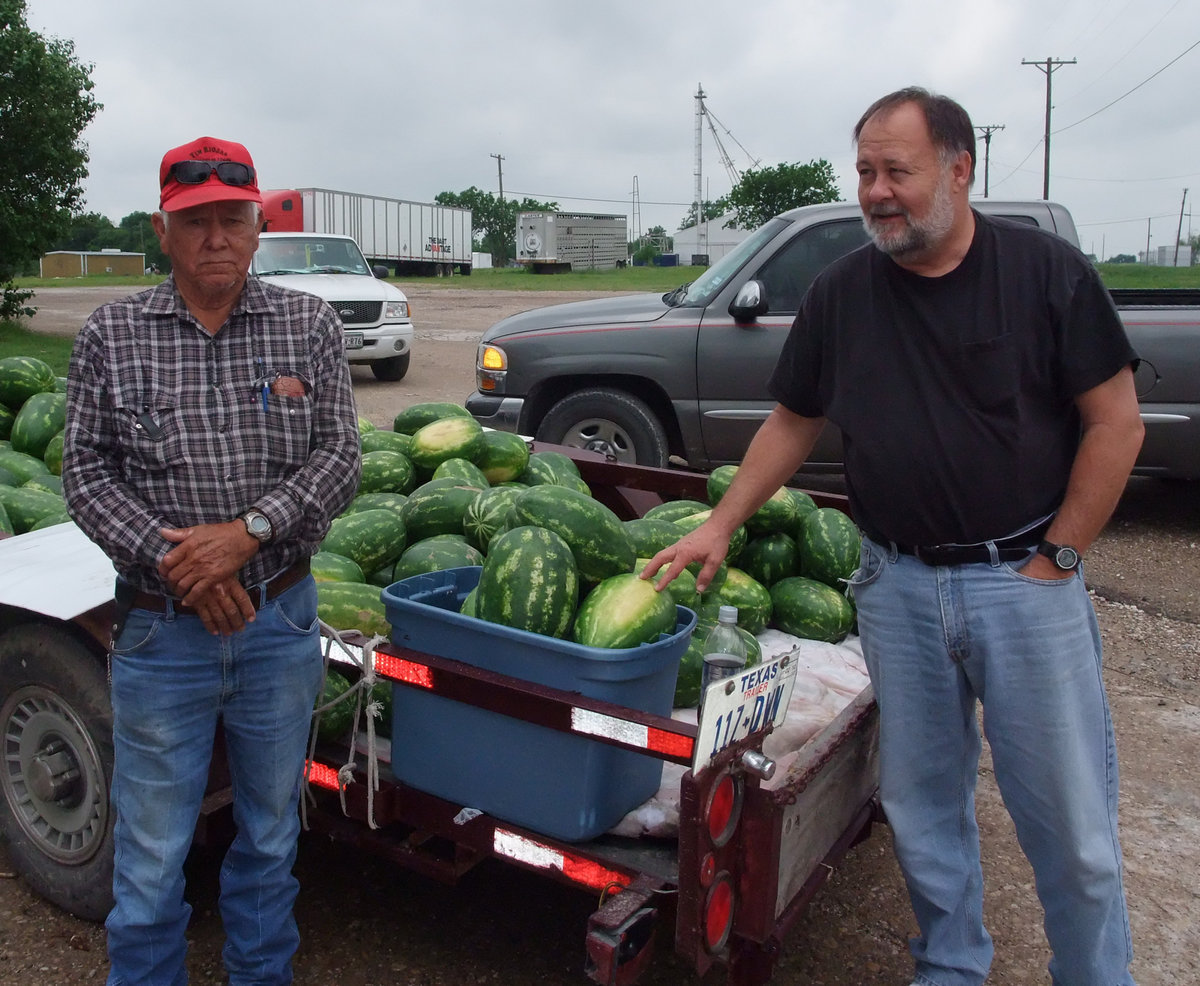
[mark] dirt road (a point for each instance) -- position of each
(367, 923)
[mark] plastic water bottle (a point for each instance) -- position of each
(724, 650)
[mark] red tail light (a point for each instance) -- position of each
(718, 913)
(724, 809)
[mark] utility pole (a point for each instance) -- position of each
(1048, 67)
(987, 130)
(1148, 218)
(1179, 231)
(699, 133)
(500, 173)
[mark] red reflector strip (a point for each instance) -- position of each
(661, 741)
(402, 670)
(577, 868)
(322, 776)
(635, 734)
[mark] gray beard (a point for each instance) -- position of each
(917, 235)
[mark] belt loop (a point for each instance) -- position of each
(993, 554)
(262, 595)
(169, 608)
(893, 551)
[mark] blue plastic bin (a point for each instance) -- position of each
(558, 784)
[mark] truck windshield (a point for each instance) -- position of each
(308, 255)
(702, 290)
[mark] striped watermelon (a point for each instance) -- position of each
(53, 455)
(41, 417)
(416, 416)
(7, 417)
(437, 507)
(330, 567)
(529, 582)
(504, 456)
(436, 554)
(829, 546)
(806, 608)
(769, 558)
(386, 472)
(453, 437)
(23, 376)
(372, 538)
(751, 597)
(682, 587)
(649, 536)
(377, 501)
(778, 513)
(624, 611)
(597, 539)
(378, 440)
(22, 465)
(549, 468)
(353, 606)
(487, 515)
(25, 507)
(672, 510)
(365, 425)
(463, 469)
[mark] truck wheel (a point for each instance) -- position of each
(391, 369)
(56, 725)
(611, 422)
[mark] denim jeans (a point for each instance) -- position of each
(171, 682)
(936, 640)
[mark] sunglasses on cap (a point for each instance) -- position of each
(198, 172)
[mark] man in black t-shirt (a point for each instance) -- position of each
(983, 385)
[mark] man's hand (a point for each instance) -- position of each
(224, 607)
(202, 570)
(1041, 567)
(707, 544)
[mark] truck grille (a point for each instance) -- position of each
(358, 312)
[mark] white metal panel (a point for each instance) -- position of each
(56, 571)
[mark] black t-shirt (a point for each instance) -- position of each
(954, 394)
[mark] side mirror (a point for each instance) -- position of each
(380, 271)
(750, 302)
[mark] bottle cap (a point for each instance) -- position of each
(727, 614)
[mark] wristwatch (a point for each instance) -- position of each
(258, 526)
(1063, 555)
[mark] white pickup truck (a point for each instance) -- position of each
(375, 314)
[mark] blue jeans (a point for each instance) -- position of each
(936, 640)
(171, 682)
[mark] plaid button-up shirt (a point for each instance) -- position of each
(167, 426)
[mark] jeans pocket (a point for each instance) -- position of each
(141, 627)
(871, 560)
(297, 608)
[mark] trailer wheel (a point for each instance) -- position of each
(56, 729)
(391, 369)
(611, 422)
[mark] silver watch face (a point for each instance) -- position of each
(1066, 558)
(258, 525)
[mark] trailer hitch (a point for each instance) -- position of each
(620, 938)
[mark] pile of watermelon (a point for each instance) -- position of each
(33, 407)
(439, 492)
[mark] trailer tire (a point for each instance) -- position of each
(391, 369)
(56, 723)
(608, 421)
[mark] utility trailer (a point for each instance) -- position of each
(556, 242)
(746, 862)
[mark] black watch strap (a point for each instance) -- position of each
(1063, 555)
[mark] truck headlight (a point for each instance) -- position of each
(491, 367)
(395, 309)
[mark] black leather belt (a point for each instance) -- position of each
(157, 603)
(1007, 549)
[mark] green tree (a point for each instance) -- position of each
(765, 192)
(87, 231)
(45, 102)
(493, 220)
(712, 210)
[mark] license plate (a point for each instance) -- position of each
(354, 340)
(742, 704)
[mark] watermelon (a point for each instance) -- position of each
(806, 608)
(7, 417)
(9, 478)
(435, 554)
(41, 418)
(450, 438)
(371, 538)
(649, 536)
(830, 544)
(375, 501)
(682, 587)
(548, 468)
(52, 520)
(386, 472)
(352, 606)
(22, 465)
(416, 416)
(674, 509)
(504, 456)
(468, 604)
(487, 515)
(364, 425)
(624, 611)
(335, 722)
(437, 507)
(463, 469)
(330, 567)
(737, 540)
(529, 582)
(769, 558)
(751, 597)
(5, 524)
(379, 440)
(53, 455)
(23, 376)
(47, 482)
(25, 507)
(597, 539)
(778, 513)
(560, 462)
(381, 578)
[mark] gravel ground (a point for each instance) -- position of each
(366, 923)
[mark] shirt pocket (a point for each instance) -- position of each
(152, 433)
(990, 370)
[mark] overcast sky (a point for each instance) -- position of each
(585, 100)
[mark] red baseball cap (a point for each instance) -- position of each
(184, 185)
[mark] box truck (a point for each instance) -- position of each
(561, 241)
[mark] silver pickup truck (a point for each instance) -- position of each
(682, 377)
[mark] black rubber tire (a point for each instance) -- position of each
(55, 717)
(391, 369)
(612, 422)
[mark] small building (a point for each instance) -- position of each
(709, 242)
(1167, 256)
(78, 263)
